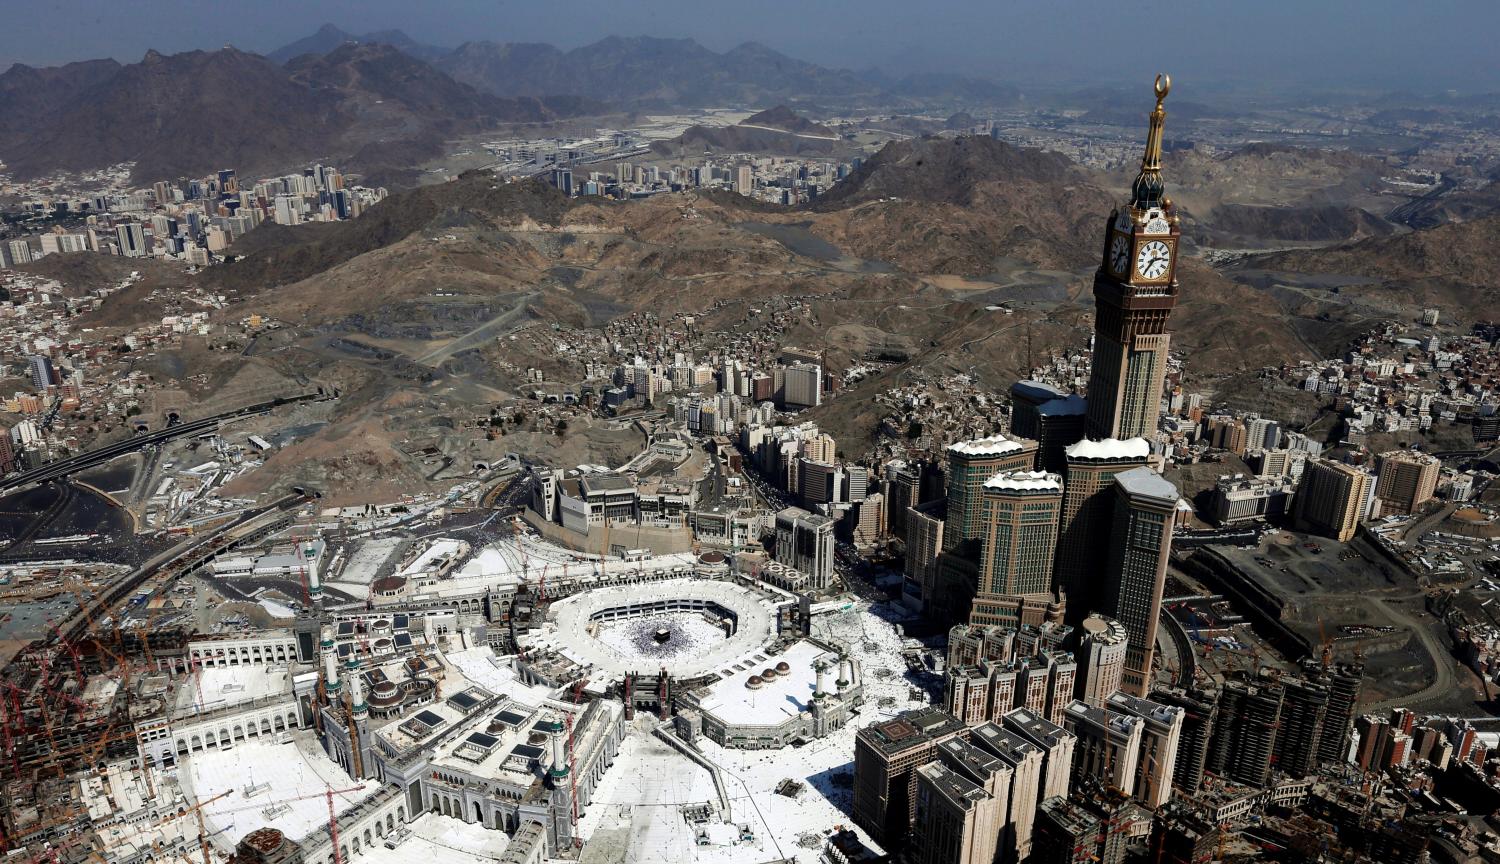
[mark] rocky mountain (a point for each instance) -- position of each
(186, 113)
(643, 70)
(1251, 224)
(32, 93)
(328, 37)
(369, 106)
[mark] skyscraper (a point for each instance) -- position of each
(1018, 516)
(1332, 498)
(1135, 289)
(1025, 761)
(1084, 530)
(970, 464)
(956, 820)
(1145, 506)
(1200, 709)
(1405, 480)
(886, 756)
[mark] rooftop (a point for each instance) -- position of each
(774, 701)
(998, 445)
(958, 790)
(1068, 406)
(1149, 484)
(1110, 449)
(1025, 481)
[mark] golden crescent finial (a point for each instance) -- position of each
(1163, 87)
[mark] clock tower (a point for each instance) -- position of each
(1135, 289)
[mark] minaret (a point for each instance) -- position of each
(357, 707)
(822, 669)
(845, 674)
(330, 664)
(558, 739)
(1135, 289)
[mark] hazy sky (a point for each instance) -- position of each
(1382, 44)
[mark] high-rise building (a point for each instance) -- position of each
(1018, 521)
(1145, 510)
(1244, 741)
(1134, 292)
(1200, 709)
(1025, 761)
(1332, 499)
(43, 373)
(1026, 400)
(802, 386)
(1083, 534)
(1304, 707)
(804, 541)
(956, 821)
(1066, 833)
(1161, 735)
(744, 180)
(132, 239)
(818, 482)
(1344, 683)
(1101, 658)
(886, 757)
(970, 464)
(1405, 480)
(1061, 423)
(1056, 743)
(1109, 745)
(924, 526)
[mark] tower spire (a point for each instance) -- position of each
(1148, 189)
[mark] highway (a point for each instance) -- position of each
(100, 455)
(182, 558)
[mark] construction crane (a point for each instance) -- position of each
(1327, 657)
(572, 762)
(72, 651)
(197, 810)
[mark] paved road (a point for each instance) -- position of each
(1444, 680)
(479, 335)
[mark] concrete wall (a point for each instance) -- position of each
(661, 541)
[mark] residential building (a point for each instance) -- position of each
(886, 757)
(1332, 499)
(1101, 655)
(1405, 480)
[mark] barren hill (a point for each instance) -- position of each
(646, 70)
(191, 113)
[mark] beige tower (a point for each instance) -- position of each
(1019, 511)
(1331, 498)
(1134, 292)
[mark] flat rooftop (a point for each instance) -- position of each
(776, 700)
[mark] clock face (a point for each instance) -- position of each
(1152, 260)
(1119, 254)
